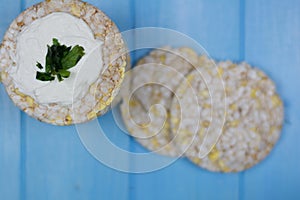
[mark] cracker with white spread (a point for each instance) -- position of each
(95, 98)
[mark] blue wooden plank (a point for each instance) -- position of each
(9, 148)
(215, 25)
(57, 164)
(59, 167)
(9, 10)
(10, 130)
(119, 11)
(272, 40)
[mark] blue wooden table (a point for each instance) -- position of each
(40, 161)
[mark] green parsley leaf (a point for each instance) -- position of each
(55, 42)
(73, 57)
(59, 60)
(43, 76)
(59, 77)
(39, 65)
(64, 73)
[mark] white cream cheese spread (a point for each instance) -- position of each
(32, 48)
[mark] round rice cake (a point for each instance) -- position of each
(153, 81)
(100, 93)
(254, 117)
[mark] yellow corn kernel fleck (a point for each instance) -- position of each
(124, 64)
(253, 93)
(223, 166)
(30, 101)
(155, 111)
(168, 115)
(19, 93)
(155, 143)
(167, 125)
(276, 100)
(98, 35)
(188, 50)
(272, 130)
(68, 119)
(204, 93)
(234, 123)
(175, 120)
(260, 74)
(3, 76)
(162, 58)
(196, 160)
(206, 105)
(220, 71)
(75, 10)
(91, 115)
(143, 125)
(100, 106)
(190, 78)
(205, 124)
(109, 100)
(254, 129)
(232, 106)
(213, 155)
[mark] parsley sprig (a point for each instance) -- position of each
(59, 60)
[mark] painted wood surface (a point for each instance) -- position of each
(41, 161)
(11, 175)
